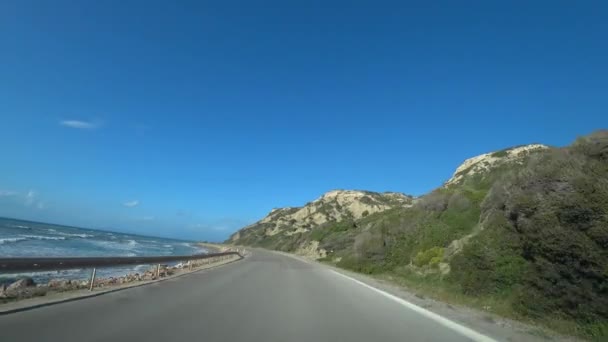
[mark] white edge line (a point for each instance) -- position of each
(475, 336)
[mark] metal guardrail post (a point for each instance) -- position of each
(92, 282)
(157, 271)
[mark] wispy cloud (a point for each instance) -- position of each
(131, 204)
(30, 197)
(78, 124)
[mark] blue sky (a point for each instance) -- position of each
(192, 119)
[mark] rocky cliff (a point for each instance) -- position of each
(290, 228)
(486, 162)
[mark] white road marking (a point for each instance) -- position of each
(473, 335)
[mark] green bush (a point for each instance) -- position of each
(500, 154)
(322, 232)
(318, 234)
(361, 265)
(434, 262)
(432, 255)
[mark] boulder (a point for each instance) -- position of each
(149, 275)
(165, 270)
(21, 284)
(129, 278)
(59, 284)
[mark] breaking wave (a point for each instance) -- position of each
(82, 236)
(40, 237)
(11, 240)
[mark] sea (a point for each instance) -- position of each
(35, 239)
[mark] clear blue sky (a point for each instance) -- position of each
(192, 119)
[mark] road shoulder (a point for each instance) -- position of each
(486, 323)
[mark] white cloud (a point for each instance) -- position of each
(131, 204)
(30, 197)
(7, 193)
(79, 124)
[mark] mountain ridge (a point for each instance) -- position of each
(299, 216)
(333, 206)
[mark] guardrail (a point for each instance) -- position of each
(8, 265)
(12, 265)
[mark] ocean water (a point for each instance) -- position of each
(34, 239)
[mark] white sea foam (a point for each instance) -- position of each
(19, 226)
(40, 237)
(62, 273)
(141, 267)
(82, 236)
(11, 240)
(113, 247)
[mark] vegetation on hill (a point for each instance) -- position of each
(528, 235)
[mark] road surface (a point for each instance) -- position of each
(265, 297)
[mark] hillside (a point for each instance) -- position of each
(296, 229)
(524, 229)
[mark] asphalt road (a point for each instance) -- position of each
(266, 297)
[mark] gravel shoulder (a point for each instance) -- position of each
(484, 322)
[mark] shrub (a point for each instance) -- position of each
(500, 154)
(432, 255)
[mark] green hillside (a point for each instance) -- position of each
(521, 232)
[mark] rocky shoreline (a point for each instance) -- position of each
(25, 287)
